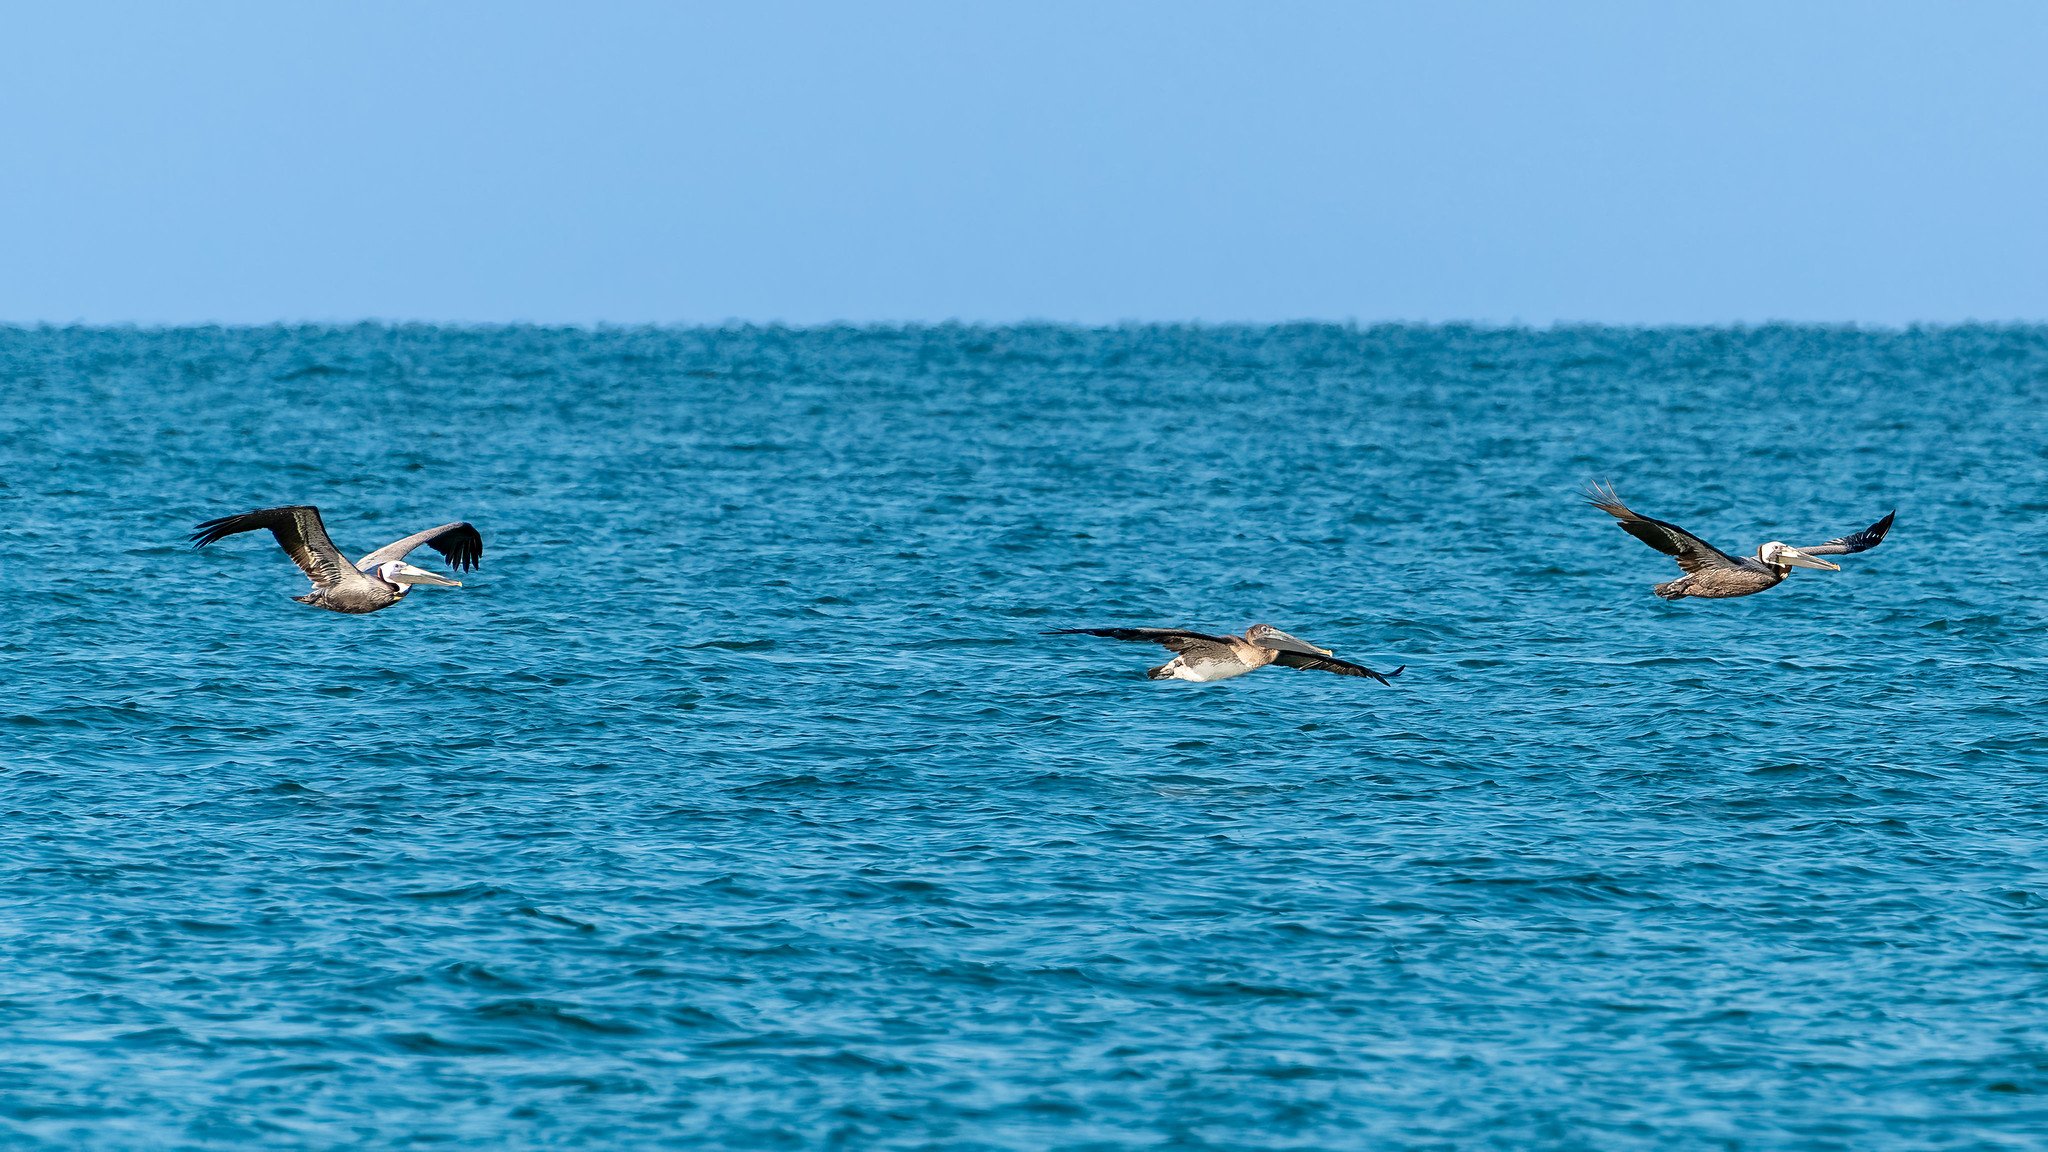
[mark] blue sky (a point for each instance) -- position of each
(1096, 162)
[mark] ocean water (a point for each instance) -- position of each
(738, 802)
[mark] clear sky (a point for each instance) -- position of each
(1091, 161)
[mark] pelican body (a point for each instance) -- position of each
(377, 581)
(1713, 574)
(1202, 658)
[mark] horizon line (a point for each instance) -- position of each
(740, 324)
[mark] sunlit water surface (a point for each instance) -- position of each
(738, 802)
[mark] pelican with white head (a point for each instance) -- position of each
(1713, 574)
(377, 581)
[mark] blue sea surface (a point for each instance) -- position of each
(738, 802)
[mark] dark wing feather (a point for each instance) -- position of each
(298, 531)
(1173, 639)
(459, 543)
(1692, 553)
(1862, 541)
(1332, 664)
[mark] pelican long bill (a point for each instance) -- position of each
(407, 574)
(1797, 558)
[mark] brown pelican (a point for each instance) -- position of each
(1201, 657)
(1711, 572)
(378, 580)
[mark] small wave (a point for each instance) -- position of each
(550, 1016)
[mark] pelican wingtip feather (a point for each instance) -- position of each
(221, 527)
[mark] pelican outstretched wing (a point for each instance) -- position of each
(298, 531)
(1862, 541)
(1692, 553)
(459, 543)
(1172, 639)
(1332, 664)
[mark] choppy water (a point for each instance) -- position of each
(737, 802)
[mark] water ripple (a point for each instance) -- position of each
(738, 802)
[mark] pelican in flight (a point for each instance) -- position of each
(1201, 657)
(1710, 572)
(378, 580)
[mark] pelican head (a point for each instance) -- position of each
(400, 573)
(1780, 555)
(1267, 636)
